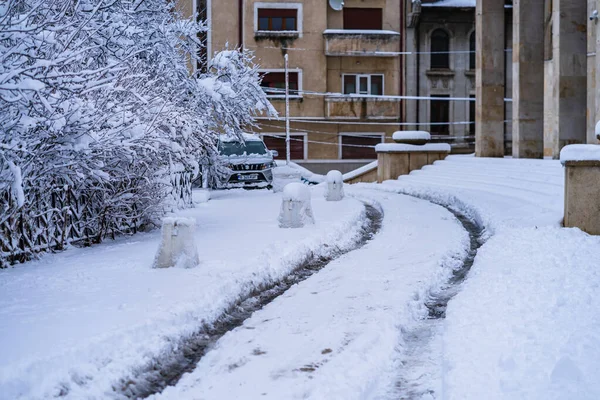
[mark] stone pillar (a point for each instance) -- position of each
(528, 78)
(490, 78)
(597, 68)
(570, 41)
(591, 73)
(582, 191)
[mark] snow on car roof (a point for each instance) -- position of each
(248, 137)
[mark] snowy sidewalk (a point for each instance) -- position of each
(74, 323)
(333, 336)
(526, 323)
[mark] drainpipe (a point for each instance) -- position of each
(241, 24)
(418, 45)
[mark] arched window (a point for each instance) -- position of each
(472, 49)
(440, 46)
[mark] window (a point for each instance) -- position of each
(363, 84)
(440, 46)
(363, 18)
(359, 146)
(276, 141)
(440, 115)
(277, 19)
(273, 83)
(472, 49)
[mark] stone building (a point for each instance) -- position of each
(344, 62)
(440, 66)
(554, 101)
(350, 63)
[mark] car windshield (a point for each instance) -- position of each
(238, 148)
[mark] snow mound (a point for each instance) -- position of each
(411, 135)
(400, 147)
(580, 152)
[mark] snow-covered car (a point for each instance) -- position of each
(247, 164)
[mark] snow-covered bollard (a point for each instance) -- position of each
(296, 210)
(177, 247)
(335, 186)
(283, 175)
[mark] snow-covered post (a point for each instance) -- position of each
(296, 209)
(177, 247)
(283, 176)
(582, 187)
(335, 186)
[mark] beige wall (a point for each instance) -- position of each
(320, 73)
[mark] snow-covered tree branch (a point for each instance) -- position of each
(97, 94)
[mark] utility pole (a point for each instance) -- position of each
(287, 112)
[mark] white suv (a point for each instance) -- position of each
(248, 164)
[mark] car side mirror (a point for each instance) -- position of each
(274, 153)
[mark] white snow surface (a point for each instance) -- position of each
(411, 135)
(580, 152)
(334, 176)
(401, 147)
(296, 191)
(526, 323)
(76, 322)
(334, 335)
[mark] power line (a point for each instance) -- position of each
(399, 123)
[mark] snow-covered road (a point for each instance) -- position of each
(524, 324)
(334, 335)
(74, 323)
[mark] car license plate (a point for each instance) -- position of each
(247, 177)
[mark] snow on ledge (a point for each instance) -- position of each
(411, 135)
(359, 171)
(580, 152)
(451, 3)
(408, 148)
(359, 32)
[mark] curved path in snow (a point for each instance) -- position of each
(334, 335)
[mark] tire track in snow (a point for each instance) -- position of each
(167, 370)
(420, 360)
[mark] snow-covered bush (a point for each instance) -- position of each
(96, 96)
(335, 186)
(296, 208)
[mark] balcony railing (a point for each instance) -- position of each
(361, 43)
(354, 107)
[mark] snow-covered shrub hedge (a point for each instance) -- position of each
(96, 96)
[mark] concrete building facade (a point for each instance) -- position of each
(552, 89)
(348, 66)
(342, 65)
